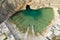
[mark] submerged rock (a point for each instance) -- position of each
(39, 19)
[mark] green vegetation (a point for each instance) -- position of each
(38, 18)
(59, 12)
(5, 38)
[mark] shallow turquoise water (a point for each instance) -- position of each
(38, 18)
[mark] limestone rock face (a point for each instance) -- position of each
(9, 7)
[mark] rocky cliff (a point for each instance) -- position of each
(9, 7)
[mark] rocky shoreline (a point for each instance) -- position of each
(9, 7)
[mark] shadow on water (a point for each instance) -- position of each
(38, 18)
(30, 12)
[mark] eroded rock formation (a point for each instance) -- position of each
(9, 7)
